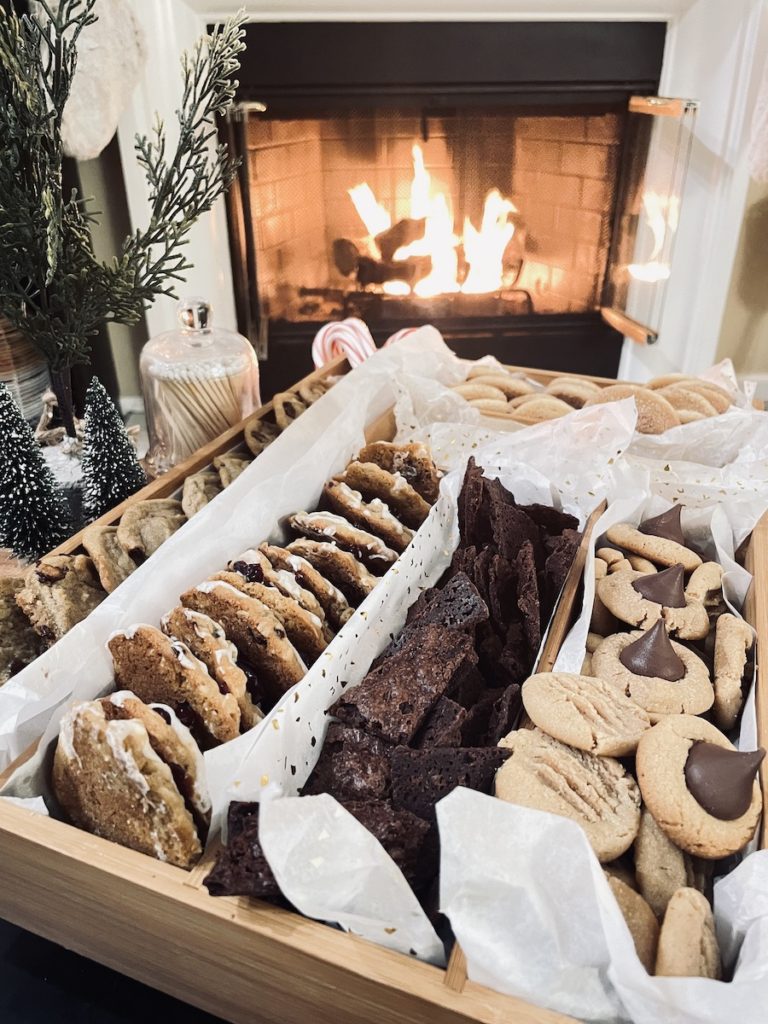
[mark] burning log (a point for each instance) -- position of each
(370, 271)
(404, 232)
(345, 255)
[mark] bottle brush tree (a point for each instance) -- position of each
(52, 287)
(34, 516)
(111, 470)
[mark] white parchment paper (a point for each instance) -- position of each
(287, 477)
(540, 922)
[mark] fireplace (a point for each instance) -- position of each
(603, 58)
(487, 178)
(393, 215)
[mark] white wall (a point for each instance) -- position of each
(712, 56)
(172, 26)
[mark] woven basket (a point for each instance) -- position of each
(23, 369)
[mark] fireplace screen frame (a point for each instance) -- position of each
(586, 66)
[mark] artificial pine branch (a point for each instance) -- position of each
(52, 287)
(34, 517)
(111, 470)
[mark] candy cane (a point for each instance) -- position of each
(399, 335)
(350, 338)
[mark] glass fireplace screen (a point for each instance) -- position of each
(404, 217)
(391, 215)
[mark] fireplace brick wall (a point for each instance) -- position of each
(564, 176)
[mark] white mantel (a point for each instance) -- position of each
(715, 52)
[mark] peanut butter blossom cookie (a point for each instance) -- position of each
(660, 675)
(701, 791)
(641, 599)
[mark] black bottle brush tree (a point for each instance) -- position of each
(52, 287)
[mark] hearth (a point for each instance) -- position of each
(506, 182)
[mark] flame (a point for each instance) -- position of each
(372, 213)
(662, 215)
(439, 243)
(483, 247)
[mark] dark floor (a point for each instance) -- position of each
(41, 983)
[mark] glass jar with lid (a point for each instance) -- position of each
(197, 381)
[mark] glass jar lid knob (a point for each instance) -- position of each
(194, 314)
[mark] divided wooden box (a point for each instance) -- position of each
(247, 961)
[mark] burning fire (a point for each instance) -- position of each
(661, 214)
(483, 247)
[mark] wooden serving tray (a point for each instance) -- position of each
(244, 960)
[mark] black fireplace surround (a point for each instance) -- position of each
(325, 70)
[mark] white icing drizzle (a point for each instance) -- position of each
(376, 505)
(205, 626)
(116, 734)
(299, 564)
(119, 697)
(252, 556)
(67, 737)
(186, 658)
(210, 585)
(400, 484)
(129, 633)
(226, 653)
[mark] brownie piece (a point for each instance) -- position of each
(422, 602)
(528, 596)
(458, 606)
(409, 841)
(481, 569)
(393, 700)
(510, 526)
(463, 560)
(468, 684)
(550, 520)
(422, 777)
(504, 715)
(241, 869)
(561, 553)
(501, 591)
(443, 727)
(515, 659)
(477, 722)
(352, 765)
(489, 647)
(473, 524)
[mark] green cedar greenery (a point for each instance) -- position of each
(111, 470)
(52, 287)
(34, 516)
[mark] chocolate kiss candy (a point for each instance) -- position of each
(720, 779)
(665, 588)
(653, 655)
(667, 525)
